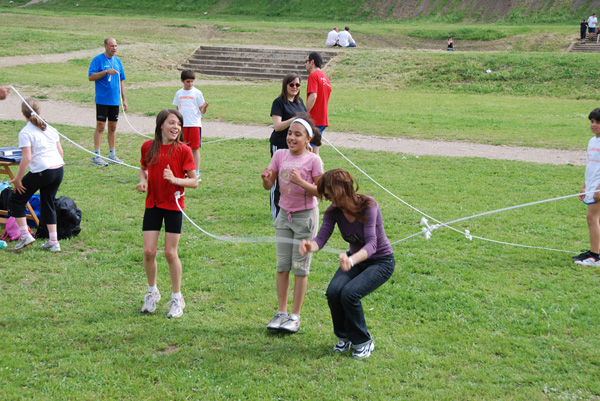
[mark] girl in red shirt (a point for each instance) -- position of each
(167, 167)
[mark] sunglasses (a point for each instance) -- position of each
(306, 61)
(327, 196)
(292, 85)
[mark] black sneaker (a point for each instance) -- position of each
(582, 256)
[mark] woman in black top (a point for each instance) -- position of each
(283, 111)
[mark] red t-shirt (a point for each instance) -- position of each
(161, 193)
(319, 83)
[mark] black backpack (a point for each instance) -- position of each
(68, 218)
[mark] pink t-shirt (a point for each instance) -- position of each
(293, 197)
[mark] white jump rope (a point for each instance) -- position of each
(426, 231)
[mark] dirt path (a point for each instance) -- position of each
(66, 113)
(70, 114)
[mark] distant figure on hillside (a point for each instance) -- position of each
(346, 39)
(317, 93)
(333, 38)
(450, 44)
(4, 92)
(591, 22)
(583, 30)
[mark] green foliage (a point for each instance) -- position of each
(45, 40)
(459, 34)
(180, 26)
(521, 12)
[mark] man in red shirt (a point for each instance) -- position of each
(317, 93)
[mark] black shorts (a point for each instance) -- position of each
(153, 219)
(103, 112)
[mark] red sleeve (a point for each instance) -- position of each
(312, 84)
(188, 160)
(145, 148)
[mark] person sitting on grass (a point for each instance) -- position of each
(345, 39)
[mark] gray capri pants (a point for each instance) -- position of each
(290, 228)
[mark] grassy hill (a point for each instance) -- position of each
(434, 11)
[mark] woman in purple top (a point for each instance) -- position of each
(365, 267)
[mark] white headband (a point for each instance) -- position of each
(309, 130)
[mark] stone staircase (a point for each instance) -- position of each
(589, 46)
(251, 63)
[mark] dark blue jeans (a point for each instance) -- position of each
(345, 292)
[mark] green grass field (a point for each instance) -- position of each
(459, 319)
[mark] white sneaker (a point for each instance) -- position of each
(275, 323)
(291, 325)
(150, 301)
(364, 351)
(591, 261)
(342, 346)
(114, 159)
(177, 307)
(24, 241)
(98, 161)
(51, 247)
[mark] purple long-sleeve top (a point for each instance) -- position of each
(369, 235)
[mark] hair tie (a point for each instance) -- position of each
(309, 130)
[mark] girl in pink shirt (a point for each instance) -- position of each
(298, 170)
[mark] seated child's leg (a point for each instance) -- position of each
(593, 220)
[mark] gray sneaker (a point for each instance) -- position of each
(150, 301)
(98, 161)
(290, 325)
(177, 307)
(114, 159)
(24, 241)
(342, 346)
(364, 352)
(51, 247)
(275, 323)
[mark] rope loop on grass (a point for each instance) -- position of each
(427, 231)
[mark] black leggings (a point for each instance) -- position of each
(47, 182)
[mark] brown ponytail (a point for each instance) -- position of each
(33, 118)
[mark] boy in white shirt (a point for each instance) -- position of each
(191, 105)
(592, 199)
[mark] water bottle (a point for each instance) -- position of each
(3, 244)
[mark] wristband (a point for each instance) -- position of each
(351, 262)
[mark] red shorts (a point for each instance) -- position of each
(193, 137)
